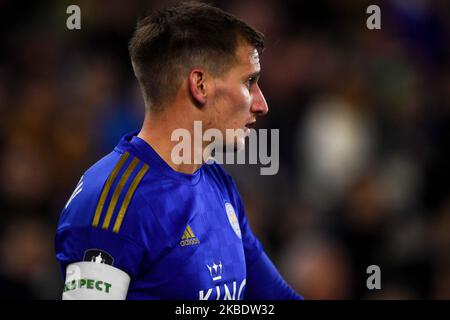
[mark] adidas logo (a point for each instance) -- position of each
(188, 238)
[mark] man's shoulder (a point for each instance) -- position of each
(105, 193)
(115, 204)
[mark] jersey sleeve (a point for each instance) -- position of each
(75, 244)
(100, 234)
(97, 264)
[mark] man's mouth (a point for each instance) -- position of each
(251, 125)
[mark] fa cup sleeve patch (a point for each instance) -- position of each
(98, 256)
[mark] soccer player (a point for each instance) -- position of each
(139, 225)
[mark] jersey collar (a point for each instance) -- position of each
(144, 151)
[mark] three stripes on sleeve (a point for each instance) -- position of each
(106, 208)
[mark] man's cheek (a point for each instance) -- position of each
(246, 95)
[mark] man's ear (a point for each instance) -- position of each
(197, 86)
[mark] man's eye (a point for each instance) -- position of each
(250, 81)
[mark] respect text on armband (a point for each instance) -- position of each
(87, 284)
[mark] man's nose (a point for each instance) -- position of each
(259, 105)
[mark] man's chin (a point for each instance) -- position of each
(236, 146)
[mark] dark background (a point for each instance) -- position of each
(364, 137)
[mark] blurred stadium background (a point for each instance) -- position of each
(364, 129)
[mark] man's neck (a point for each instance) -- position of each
(157, 131)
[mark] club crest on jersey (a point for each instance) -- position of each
(232, 218)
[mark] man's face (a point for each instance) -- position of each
(237, 100)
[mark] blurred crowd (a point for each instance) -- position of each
(364, 119)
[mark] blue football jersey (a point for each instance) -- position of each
(176, 235)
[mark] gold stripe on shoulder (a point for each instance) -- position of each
(128, 196)
(117, 191)
(109, 182)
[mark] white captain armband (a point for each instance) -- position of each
(95, 281)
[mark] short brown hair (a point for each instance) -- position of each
(168, 43)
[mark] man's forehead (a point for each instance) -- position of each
(253, 54)
(248, 55)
